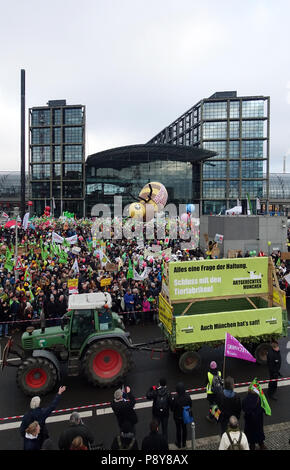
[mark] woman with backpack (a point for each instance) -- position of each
(213, 387)
(179, 402)
(161, 405)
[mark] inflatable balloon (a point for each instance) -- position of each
(184, 217)
(154, 193)
(152, 199)
(137, 210)
(190, 208)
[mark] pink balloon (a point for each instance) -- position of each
(144, 264)
(184, 217)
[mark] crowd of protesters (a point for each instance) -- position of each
(41, 282)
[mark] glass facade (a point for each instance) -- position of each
(126, 173)
(57, 157)
(237, 128)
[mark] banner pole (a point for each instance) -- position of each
(224, 366)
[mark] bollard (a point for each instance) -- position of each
(193, 435)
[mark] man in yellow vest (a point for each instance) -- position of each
(213, 387)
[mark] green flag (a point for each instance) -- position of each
(130, 274)
(264, 402)
(65, 243)
(8, 254)
(9, 265)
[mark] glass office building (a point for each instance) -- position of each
(124, 171)
(10, 189)
(237, 129)
(57, 157)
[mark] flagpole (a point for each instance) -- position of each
(224, 366)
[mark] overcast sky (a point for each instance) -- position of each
(138, 65)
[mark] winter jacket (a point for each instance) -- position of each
(154, 393)
(229, 405)
(181, 399)
(124, 410)
(154, 442)
(31, 442)
(254, 418)
(274, 362)
(74, 430)
(40, 415)
(125, 440)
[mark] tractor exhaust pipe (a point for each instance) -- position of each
(42, 321)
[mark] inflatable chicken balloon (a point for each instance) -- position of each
(152, 199)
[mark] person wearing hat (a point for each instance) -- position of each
(123, 407)
(75, 428)
(210, 393)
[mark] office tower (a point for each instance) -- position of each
(237, 129)
(57, 158)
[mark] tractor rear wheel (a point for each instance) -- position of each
(36, 376)
(261, 353)
(189, 361)
(106, 362)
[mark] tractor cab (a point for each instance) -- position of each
(89, 314)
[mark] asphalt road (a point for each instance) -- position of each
(92, 403)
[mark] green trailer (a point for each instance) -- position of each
(203, 300)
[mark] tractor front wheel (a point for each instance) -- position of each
(36, 376)
(189, 361)
(106, 362)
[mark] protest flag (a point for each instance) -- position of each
(264, 402)
(130, 274)
(233, 348)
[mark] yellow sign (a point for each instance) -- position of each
(217, 278)
(72, 285)
(279, 297)
(106, 282)
(165, 313)
(240, 323)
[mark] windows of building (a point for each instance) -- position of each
(40, 117)
(40, 172)
(215, 130)
(219, 147)
(216, 110)
(73, 135)
(215, 169)
(73, 153)
(73, 190)
(253, 108)
(40, 136)
(73, 116)
(234, 129)
(234, 109)
(40, 154)
(215, 189)
(252, 129)
(253, 149)
(72, 171)
(56, 151)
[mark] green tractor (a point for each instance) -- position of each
(91, 340)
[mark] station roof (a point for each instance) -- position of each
(132, 154)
